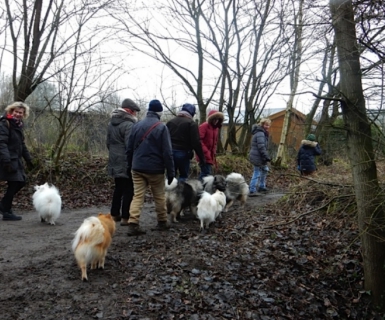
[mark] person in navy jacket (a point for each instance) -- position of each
(306, 155)
(149, 155)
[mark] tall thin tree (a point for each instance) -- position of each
(369, 196)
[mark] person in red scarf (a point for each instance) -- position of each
(12, 150)
(209, 133)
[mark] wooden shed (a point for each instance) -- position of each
(296, 130)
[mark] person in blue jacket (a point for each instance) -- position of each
(259, 156)
(149, 155)
(306, 155)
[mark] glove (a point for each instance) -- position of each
(268, 159)
(8, 167)
(169, 180)
(129, 172)
(298, 168)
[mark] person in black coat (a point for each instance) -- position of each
(12, 150)
(306, 155)
(185, 140)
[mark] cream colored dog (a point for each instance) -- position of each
(91, 242)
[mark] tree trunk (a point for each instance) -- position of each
(281, 159)
(369, 197)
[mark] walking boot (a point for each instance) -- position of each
(134, 230)
(124, 222)
(116, 218)
(9, 216)
(161, 226)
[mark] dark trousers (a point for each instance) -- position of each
(206, 170)
(13, 188)
(122, 197)
(181, 163)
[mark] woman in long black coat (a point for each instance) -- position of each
(306, 155)
(12, 150)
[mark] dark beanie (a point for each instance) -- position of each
(310, 137)
(129, 104)
(155, 106)
(189, 108)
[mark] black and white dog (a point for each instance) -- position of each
(181, 195)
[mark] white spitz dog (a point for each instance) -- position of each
(210, 207)
(47, 202)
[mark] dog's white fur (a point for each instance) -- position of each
(210, 207)
(172, 186)
(47, 202)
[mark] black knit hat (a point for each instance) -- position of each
(155, 106)
(129, 104)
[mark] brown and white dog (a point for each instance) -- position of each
(91, 242)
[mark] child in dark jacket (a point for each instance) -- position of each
(306, 155)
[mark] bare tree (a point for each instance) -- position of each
(251, 67)
(84, 84)
(236, 50)
(159, 39)
(369, 196)
(40, 33)
(295, 64)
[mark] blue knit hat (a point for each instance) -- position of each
(155, 106)
(189, 108)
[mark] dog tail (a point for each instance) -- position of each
(91, 231)
(207, 183)
(172, 186)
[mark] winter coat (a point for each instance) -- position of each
(306, 156)
(154, 154)
(258, 155)
(12, 150)
(184, 135)
(208, 134)
(119, 130)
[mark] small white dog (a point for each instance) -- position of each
(210, 207)
(47, 202)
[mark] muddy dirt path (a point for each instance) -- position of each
(39, 278)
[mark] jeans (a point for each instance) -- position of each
(122, 197)
(206, 170)
(13, 188)
(181, 163)
(156, 183)
(258, 178)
